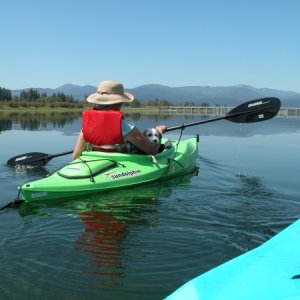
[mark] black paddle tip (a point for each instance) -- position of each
(256, 110)
(34, 159)
(14, 203)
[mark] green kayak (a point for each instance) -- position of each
(96, 172)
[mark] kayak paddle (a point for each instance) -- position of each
(252, 111)
(36, 159)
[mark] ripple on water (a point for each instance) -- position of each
(60, 249)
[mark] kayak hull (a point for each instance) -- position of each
(270, 271)
(99, 172)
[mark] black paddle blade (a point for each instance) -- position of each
(255, 111)
(35, 159)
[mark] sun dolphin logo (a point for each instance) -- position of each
(22, 158)
(257, 103)
(261, 116)
(116, 175)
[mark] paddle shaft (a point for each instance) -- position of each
(193, 124)
(50, 156)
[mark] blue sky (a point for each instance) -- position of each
(47, 43)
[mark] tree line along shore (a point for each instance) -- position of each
(32, 99)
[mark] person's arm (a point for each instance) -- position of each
(161, 128)
(136, 138)
(79, 147)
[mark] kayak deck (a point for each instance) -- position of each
(96, 172)
(270, 271)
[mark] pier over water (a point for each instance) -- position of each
(219, 110)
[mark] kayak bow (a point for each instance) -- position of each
(270, 271)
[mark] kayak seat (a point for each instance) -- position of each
(80, 169)
(166, 145)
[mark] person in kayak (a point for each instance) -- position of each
(105, 129)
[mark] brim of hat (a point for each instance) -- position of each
(107, 99)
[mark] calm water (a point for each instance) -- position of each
(144, 243)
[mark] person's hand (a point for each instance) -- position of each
(161, 128)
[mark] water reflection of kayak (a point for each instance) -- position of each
(271, 271)
(98, 172)
(106, 220)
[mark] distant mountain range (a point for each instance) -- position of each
(231, 96)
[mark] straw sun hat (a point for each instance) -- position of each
(110, 92)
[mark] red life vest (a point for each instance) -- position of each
(103, 128)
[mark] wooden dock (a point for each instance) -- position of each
(218, 110)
